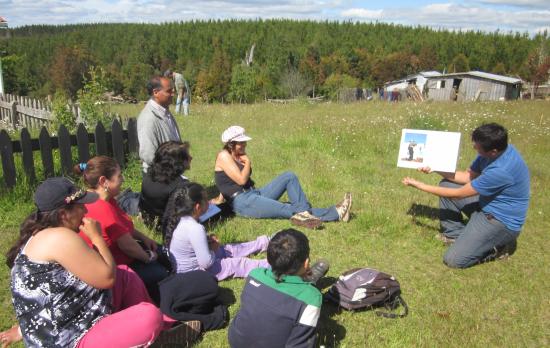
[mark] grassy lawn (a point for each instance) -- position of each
(334, 148)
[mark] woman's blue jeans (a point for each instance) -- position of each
(263, 203)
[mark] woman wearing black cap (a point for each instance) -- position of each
(60, 285)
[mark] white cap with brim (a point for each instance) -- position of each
(234, 133)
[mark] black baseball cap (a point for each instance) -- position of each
(54, 193)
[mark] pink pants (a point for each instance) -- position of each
(135, 321)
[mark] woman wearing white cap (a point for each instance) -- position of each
(233, 178)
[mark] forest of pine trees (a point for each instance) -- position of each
(291, 58)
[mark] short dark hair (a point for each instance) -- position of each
(287, 251)
(153, 84)
(491, 136)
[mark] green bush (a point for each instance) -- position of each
(93, 106)
(61, 112)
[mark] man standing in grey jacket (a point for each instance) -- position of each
(155, 123)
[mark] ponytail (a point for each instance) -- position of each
(95, 168)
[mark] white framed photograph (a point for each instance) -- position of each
(424, 148)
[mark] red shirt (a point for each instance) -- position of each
(114, 224)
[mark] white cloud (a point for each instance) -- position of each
(459, 17)
(520, 3)
(363, 13)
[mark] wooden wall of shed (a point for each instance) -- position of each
(435, 93)
(471, 87)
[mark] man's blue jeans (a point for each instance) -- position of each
(182, 105)
(263, 203)
(479, 239)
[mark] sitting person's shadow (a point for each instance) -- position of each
(420, 210)
(424, 211)
(329, 332)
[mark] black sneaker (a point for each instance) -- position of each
(503, 252)
(317, 271)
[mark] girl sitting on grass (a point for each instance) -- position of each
(192, 249)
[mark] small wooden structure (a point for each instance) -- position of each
(419, 80)
(473, 86)
(117, 143)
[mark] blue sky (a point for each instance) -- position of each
(416, 137)
(505, 15)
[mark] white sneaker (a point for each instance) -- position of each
(344, 207)
(305, 219)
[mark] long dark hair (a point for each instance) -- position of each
(169, 161)
(34, 223)
(181, 203)
(229, 146)
(95, 168)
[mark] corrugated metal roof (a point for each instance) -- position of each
(413, 76)
(484, 75)
(429, 73)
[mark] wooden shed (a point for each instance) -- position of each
(473, 85)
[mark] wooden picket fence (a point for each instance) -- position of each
(27, 112)
(117, 143)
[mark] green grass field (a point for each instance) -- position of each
(335, 148)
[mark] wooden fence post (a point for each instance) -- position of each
(118, 143)
(28, 159)
(8, 165)
(82, 143)
(133, 143)
(100, 140)
(46, 152)
(64, 141)
(14, 114)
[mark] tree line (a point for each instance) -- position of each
(290, 58)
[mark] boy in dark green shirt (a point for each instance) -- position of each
(278, 307)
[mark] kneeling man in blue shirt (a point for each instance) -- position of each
(493, 193)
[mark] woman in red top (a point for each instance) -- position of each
(103, 176)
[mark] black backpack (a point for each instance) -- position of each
(361, 288)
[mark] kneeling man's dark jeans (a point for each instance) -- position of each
(476, 241)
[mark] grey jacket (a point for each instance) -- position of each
(155, 125)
